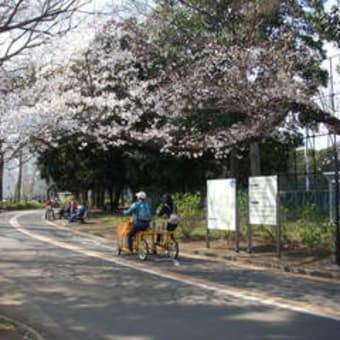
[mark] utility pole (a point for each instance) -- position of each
(336, 171)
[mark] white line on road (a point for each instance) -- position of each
(204, 284)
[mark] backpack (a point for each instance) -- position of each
(144, 212)
(174, 219)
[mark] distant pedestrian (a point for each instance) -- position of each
(71, 209)
(49, 212)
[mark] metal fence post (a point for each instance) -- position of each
(336, 178)
(237, 231)
(336, 219)
(249, 236)
(278, 221)
(207, 239)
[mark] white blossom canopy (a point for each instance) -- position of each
(135, 85)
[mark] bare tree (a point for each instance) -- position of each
(25, 24)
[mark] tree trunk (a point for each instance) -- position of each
(1, 173)
(90, 198)
(110, 191)
(118, 193)
(101, 198)
(234, 165)
(255, 160)
(17, 196)
(96, 197)
(84, 197)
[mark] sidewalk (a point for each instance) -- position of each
(300, 261)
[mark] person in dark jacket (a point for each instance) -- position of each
(168, 209)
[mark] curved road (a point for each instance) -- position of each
(70, 286)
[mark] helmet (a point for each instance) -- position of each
(141, 195)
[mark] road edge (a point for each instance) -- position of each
(23, 328)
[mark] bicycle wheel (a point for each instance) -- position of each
(120, 244)
(49, 216)
(172, 249)
(143, 250)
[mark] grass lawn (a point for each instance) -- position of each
(6, 325)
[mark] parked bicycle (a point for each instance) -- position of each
(49, 214)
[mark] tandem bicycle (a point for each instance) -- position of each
(145, 242)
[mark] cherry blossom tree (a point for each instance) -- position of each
(25, 25)
(187, 81)
(187, 91)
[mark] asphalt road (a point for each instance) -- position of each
(70, 286)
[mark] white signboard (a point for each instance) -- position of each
(221, 204)
(263, 200)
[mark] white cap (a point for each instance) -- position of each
(141, 195)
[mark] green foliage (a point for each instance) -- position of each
(200, 233)
(312, 228)
(189, 209)
(312, 212)
(78, 169)
(275, 155)
(243, 203)
(7, 325)
(315, 234)
(9, 205)
(328, 26)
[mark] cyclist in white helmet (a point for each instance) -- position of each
(141, 213)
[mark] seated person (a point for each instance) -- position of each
(81, 213)
(71, 209)
(78, 215)
(141, 213)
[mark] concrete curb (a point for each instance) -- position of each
(284, 267)
(24, 329)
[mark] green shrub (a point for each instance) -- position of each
(314, 234)
(188, 206)
(22, 205)
(243, 204)
(311, 212)
(312, 228)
